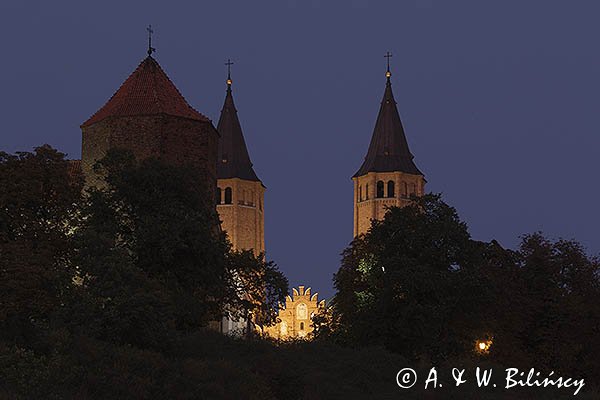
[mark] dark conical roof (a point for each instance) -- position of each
(147, 91)
(388, 150)
(233, 159)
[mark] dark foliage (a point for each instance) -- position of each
(149, 252)
(410, 284)
(104, 296)
(38, 199)
(418, 285)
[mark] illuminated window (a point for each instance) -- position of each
(283, 328)
(301, 311)
(228, 195)
(379, 189)
(390, 188)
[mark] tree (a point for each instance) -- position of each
(150, 253)
(38, 208)
(411, 283)
(417, 284)
(562, 287)
(261, 288)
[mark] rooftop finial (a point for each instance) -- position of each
(388, 74)
(229, 63)
(150, 48)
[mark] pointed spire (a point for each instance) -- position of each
(233, 158)
(388, 151)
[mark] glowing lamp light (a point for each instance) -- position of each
(483, 346)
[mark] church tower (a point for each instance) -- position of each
(388, 176)
(240, 194)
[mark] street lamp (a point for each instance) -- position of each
(483, 346)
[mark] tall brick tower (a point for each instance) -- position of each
(150, 117)
(388, 176)
(240, 194)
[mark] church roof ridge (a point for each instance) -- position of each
(147, 91)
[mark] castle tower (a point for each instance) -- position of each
(240, 194)
(388, 176)
(149, 116)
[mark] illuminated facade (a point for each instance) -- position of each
(295, 319)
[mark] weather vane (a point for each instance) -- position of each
(229, 63)
(150, 48)
(388, 55)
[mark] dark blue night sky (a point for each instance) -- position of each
(499, 99)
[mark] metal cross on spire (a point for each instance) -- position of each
(388, 74)
(229, 63)
(150, 48)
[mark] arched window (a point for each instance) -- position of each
(228, 195)
(218, 195)
(413, 191)
(283, 329)
(301, 326)
(405, 191)
(367, 191)
(379, 189)
(360, 193)
(390, 188)
(301, 311)
(251, 198)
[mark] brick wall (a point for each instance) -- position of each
(176, 140)
(243, 218)
(367, 206)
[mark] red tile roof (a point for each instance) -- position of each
(147, 91)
